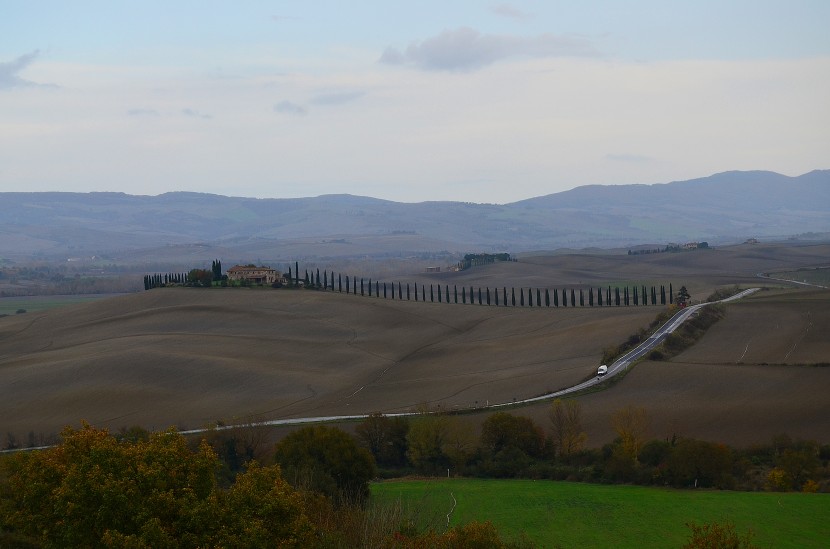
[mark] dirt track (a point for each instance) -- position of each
(190, 357)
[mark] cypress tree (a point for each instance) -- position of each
(407, 291)
(504, 295)
(416, 292)
(297, 273)
(564, 297)
(581, 298)
(573, 298)
(463, 295)
(671, 294)
(521, 297)
(479, 295)
(325, 280)
(653, 295)
(307, 281)
(599, 297)
(455, 293)
(617, 296)
(384, 290)
(496, 294)
(348, 290)
(318, 278)
(370, 287)
(447, 292)
(547, 297)
(431, 294)
(439, 293)
(488, 295)
(555, 297)
(400, 293)
(424, 292)
(662, 294)
(539, 297)
(290, 277)
(513, 296)
(361, 286)
(590, 297)
(636, 300)
(472, 297)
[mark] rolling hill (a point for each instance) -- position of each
(191, 357)
(726, 207)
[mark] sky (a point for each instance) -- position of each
(487, 102)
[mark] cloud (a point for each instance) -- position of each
(511, 12)
(288, 107)
(337, 98)
(9, 70)
(466, 49)
(143, 112)
(196, 114)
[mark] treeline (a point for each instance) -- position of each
(475, 260)
(636, 295)
(513, 446)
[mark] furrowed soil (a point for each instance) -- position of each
(191, 357)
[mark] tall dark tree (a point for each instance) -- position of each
(504, 295)
(325, 280)
(513, 296)
(472, 296)
(564, 297)
(555, 297)
(671, 294)
(539, 297)
(370, 287)
(617, 296)
(573, 298)
(636, 296)
(581, 298)
(307, 281)
(317, 282)
(547, 297)
(431, 294)
(521, 297)
(653, 295)
(290, 277)
(439, 293)
(625, 295)
(488, 295)
(479, 295)
(599, 297)
(384, 290)
(530, 297)
(348, 288)
(496, 295)
(590, 297)
(297, 273)
(400, 292)
(340, 282)
(463, 295)
(455, 292)
(407, 291)
(662, 294)
(423, 292)
(416, 291)
(447, 292)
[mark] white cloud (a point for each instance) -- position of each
(466, 49)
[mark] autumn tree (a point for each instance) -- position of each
(385, 438)
(326, 460)
(95, 491)
(566, 422)
(631, 425)
(427, 442)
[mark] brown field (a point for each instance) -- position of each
(190, 357)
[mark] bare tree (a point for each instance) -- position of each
(566, 421)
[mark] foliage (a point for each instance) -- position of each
(385, 438)
(631, 425)
(92, 490)
(426, 442)
(717, 536)
(501, 431)
(326, 460)
(566, 422)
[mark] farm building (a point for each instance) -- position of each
(254, 275)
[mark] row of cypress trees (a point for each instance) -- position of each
(616, 296)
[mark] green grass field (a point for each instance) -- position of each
(565, 514)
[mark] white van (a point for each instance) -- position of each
(602, 370)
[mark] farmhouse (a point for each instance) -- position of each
(254, 274)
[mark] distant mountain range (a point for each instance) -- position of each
(721, 208)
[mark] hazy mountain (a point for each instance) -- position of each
(726, 206)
